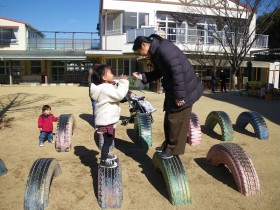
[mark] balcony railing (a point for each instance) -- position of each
(192, 36)
(63, 44)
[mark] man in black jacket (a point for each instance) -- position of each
(181, 85)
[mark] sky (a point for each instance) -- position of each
(53, 15)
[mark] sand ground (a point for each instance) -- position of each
(143, 187)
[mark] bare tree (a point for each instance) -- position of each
(233, 27)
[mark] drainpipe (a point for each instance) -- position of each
(10, 72)
(105, 29)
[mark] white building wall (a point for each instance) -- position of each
(274, 71)
(20, 35)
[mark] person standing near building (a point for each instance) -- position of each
(181, 86)
(213, 80)
(223, 78)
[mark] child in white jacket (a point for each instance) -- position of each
(107, 110)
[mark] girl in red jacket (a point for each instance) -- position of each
(45, 125)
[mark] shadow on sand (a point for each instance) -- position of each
(133, 150)
(89, 159)
(221, 173)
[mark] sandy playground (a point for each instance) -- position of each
(143, 187)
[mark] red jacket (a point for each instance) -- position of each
(45, 122)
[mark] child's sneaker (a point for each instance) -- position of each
(41, 144)
(112, 157)
(108, 163)
(52, 141)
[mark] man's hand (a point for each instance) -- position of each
(123, 76)
(137, 75)
(180, 102)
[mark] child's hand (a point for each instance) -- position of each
(40, 129)
(123, 76)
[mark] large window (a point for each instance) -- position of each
(133, 20)
(4, 68)
(114, 23)
(7, 35)
(73, 66)
(57, 71)
(35, 67)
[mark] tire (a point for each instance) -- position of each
(143, 128)
(99, 140)
(110, 194)
(36, 193)
(3, 169)
(239, 164)
(257, 122)
(194, 134)
(65, 126)
(224, 121)
(175, 178)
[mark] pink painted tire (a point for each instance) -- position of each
(194, 134)
(64, 131)
(239, 164)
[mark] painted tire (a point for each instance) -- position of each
(175, 178)
(3, 169)
(99, 140)
(239, 164)
(224, 121)
(65, 126)
(110, 193)
(36, 193)
(257, 122)
(194, 134)
(143, 128)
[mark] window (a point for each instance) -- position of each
(114, 23)
(130, 21)
(35, 67)
(6, 35)
(57, 71)
(15, 68)
(72, 66)
(143, 19)
(4, 68)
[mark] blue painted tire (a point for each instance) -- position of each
(3, 169)
(36, 193)
(143, 128)
(221, 118)
(175, 178)
(257, 122)
(110, 194)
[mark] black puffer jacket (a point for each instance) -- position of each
(178, 76)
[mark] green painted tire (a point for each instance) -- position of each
(221, 118)
(175, 178)
(110, 194)
(37, 188)
(143, 128)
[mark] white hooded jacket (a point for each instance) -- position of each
(108, 96)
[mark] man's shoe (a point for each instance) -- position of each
(41, 144)
(112, 157)
(52, 141)
(108, 163)
(166, 156)
(159, 149)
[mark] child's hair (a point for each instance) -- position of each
(46, 107)
(138, 41)
(100, 71)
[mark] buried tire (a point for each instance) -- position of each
(65, 126)
(175, 178)
(143, 128)
(37, 189)
(239, 164)
(257, 122)
(194, 134)
(110, 193)
(221, 118)
(3, 169)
